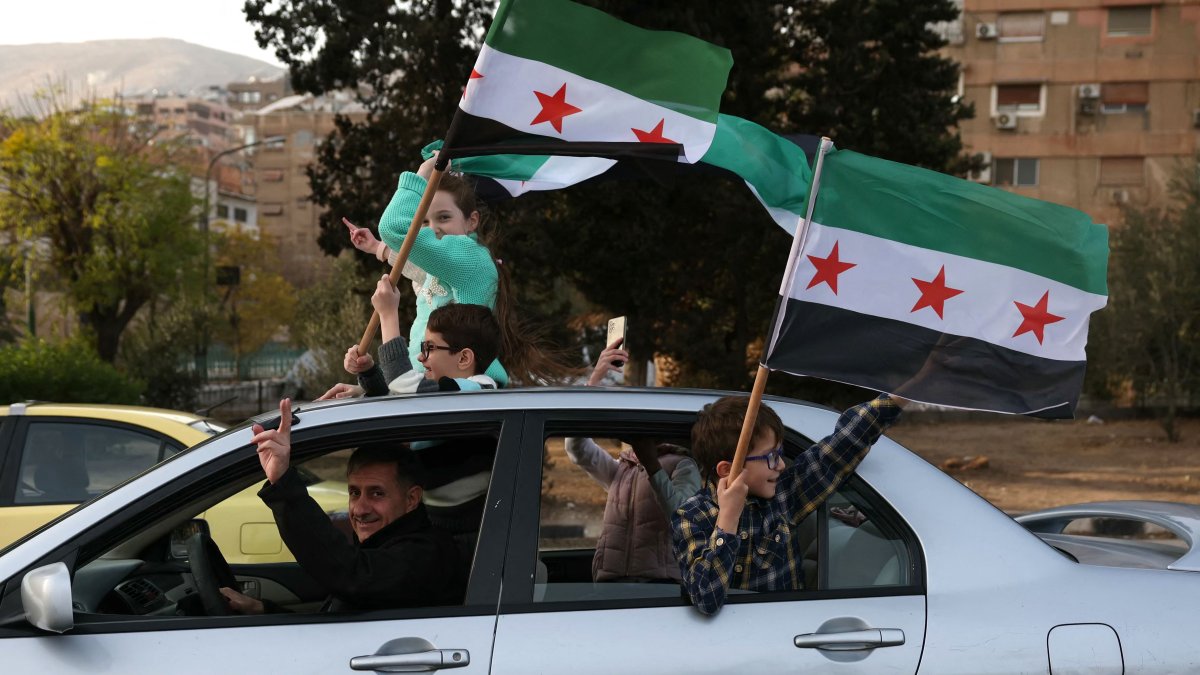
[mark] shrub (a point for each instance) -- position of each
(69, 372)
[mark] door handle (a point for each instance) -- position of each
(851, 641)
(420, 662)
(411, 655)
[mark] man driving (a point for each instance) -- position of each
(397, 558)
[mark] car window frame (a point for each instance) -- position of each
(520, 564)
(14, 444)
(483, 587)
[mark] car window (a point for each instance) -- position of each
(64, 463)
(853, 541)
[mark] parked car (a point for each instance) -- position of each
(56, 456)
(907, 571)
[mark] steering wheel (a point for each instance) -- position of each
(211, 572)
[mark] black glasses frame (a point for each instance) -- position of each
(427, 346)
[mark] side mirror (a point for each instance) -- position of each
(46, 597)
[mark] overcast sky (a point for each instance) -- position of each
(219, 24)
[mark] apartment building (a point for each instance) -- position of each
(1086, 103)
(286, 213)
(206, 123)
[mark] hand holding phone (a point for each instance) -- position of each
(616, 331)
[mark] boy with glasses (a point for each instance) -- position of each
(744, 533)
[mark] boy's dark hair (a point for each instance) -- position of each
(471, 327)
(718, 425)
(408, 468)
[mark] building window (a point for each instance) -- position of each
(302, 138)
(1124, 97)
(273, 209)
(1122, 170)
(1022, 172)
(1019, 98)
(1125, 21)
(272, 175)
(239, 215)
(1021, 26)
(222, 211)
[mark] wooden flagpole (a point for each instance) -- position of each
(789, 272)
(431, 187)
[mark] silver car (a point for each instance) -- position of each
(906, 571)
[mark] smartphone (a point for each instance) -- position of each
(616, 329)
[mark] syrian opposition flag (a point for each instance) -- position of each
(557, 78)
(941, 290)
(775, 168)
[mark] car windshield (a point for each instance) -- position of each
(210, 427)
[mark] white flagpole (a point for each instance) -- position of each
(789, 273)
(798, 241)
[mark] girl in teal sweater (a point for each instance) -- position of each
(449, 263)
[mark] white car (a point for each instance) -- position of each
(907, 571)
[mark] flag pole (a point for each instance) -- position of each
(431, 187)
(789, 273)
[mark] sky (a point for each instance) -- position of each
(219, 24)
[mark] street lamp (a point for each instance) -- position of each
(203, 355)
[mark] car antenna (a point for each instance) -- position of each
(205, 412)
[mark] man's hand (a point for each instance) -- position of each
(605, 365)
(342, 390)
(363, 238)
(240, 603)
(646, 450)
(731, 499)
(356, 363)
(275, 445)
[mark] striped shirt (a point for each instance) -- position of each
(764, 554)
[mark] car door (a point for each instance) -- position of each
(868, 579)
(460, 635)
(54, 463)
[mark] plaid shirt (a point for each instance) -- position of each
(763, 555)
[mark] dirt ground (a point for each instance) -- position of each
(1034, 464)
(1031, 464)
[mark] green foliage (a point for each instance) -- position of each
(256, 309)
(113, 205)
(1147, 340)
(695, 265)
(159, 350)
(330, 317)
(64, 373)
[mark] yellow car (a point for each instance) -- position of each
(55, 456)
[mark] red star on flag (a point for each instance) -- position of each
(934, 294)
(1035, 318)
(475, 75)
(828, 269)
(655, 135)
(554, 108)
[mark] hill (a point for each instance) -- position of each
(130, 67)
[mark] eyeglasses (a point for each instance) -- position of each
(774, 458)
(427, 346)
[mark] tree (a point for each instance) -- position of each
(1148, 338)
(113, 203)
(260, 305)
(869, 76)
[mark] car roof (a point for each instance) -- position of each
(174, 423)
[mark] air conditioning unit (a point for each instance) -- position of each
(983, 175)
(1005, 120)
(1088, 106)
(1120, 196)
(1089, 91)
(986, 31)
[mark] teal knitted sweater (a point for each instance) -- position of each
(457, 267)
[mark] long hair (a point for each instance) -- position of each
(525, 351)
